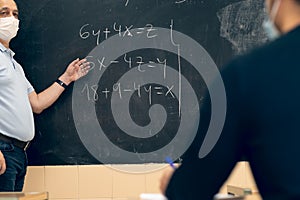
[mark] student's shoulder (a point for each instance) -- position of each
(271, 50)
(257, 57)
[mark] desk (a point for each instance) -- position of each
(245, 192)
(254, 196)
(23, 196)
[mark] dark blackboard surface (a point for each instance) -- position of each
(54, 32)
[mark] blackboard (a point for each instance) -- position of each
(140, 102)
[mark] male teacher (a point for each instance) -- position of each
(262, 120)
(18, 101)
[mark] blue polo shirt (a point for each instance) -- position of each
(16, 116)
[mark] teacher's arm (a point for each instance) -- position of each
(75, 70)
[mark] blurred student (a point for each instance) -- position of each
(262, 120)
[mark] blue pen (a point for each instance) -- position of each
(169, 160)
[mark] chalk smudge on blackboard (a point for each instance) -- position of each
(241, 24)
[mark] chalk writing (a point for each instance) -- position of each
(179, 65)
(137, 62)
(93, 92)
(142, 65)
(180, 1)
(177, 2)
(86, 31)
(126, 3)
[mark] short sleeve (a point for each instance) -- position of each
(29, 87)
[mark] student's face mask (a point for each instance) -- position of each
(269, 23)
(9, 27)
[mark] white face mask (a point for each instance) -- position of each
(9, 27)
(269, 23)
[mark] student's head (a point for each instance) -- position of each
(269, 3)
(284, 15)
(9, 23)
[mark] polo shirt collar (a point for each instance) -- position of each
(4, 49)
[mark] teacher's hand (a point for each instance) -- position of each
(75, 70)
(2, 164)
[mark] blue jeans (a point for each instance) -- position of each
(16, 164)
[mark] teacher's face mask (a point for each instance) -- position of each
(269, 23)
(9, 27)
